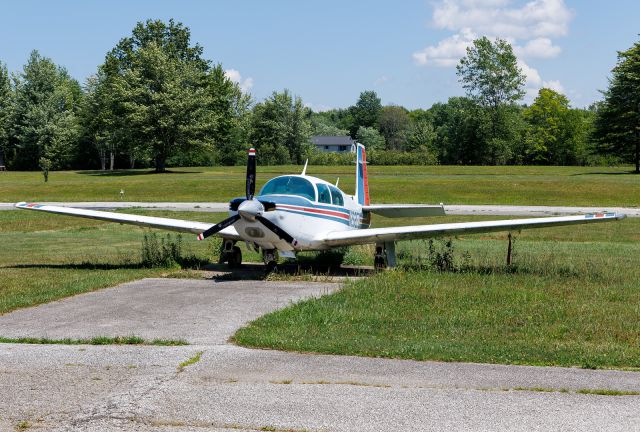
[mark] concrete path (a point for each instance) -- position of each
(113, 388)
(479, 210)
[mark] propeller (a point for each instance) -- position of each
(250, 208)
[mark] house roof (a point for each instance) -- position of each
(331, 140)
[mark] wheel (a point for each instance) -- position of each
(272, 266)
(234, 258)
(379, 264)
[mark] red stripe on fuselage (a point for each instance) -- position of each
(314, 210)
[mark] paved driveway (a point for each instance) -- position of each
(110, 388)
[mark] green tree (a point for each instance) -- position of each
(554, 130)
(370, 138)
(6, 97)
(159, 83)
(365, 112)
(231, 109)
(393, 122)
(461, 131)
(617, 125)
(281, 129)
(44, 119)
(421, 136)
(490, 73)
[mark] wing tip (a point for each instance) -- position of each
(20, 204)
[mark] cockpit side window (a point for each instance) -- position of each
(324, 196)
(289, 185)
(336, 196)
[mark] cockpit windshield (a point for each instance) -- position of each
(289, 185)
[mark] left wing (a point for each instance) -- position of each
(130, 219)
(379, 235)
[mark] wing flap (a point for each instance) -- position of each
(178, 225)
(405, 210)
(377, 235)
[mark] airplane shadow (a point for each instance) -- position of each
(257, 271)
(604, 173)
(78, 266)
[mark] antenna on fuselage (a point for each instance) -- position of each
(337, 181)
(304, 170)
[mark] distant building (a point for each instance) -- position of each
(332, 143)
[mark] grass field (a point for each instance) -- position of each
(572, 302)
(433, 184)
(572, 296)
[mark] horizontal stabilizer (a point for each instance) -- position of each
(405, 210)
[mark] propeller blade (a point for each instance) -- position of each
(218, 227)
(277, 230)
(251, 174)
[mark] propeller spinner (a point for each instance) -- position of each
(250, 209)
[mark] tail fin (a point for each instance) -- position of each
(362, 181)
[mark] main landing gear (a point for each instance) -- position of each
(270, 258)
(385, 256)
(231, 254)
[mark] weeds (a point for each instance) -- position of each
(190, 361)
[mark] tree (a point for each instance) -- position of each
(461, 131)
(44, 119)
(421, 136)
(393, 122)
(554, 129)
(5, 110)
(232, 116)
(370, 138)
(617, 125)
(365, 112)
(159, 83)
(490, 73)
(281, 129)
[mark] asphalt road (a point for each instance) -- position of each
(488, 210)
(112, 388)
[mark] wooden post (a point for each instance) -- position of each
(509, 251)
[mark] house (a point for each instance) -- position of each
(333, 143)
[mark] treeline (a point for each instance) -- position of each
(156, 102)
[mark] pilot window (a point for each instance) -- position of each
(324, 196)
(336, 196)
(289, 185)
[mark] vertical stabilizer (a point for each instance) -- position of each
(362, 181)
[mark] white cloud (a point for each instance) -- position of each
(537, 18)
(529, 27)
(538, 48)
(383, 79)
(554, 85)
(234, 75)
(448, 51)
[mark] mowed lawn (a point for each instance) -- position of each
(572, 296)
(583, 186)
(45, 257)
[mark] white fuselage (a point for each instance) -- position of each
(309, 208)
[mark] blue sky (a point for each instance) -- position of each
(329, 51)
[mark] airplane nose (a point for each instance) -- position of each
(249, 209)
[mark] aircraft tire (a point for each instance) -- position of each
(235, 257)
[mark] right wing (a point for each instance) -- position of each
(379, 235)
(124, 218)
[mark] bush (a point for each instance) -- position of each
(166, 252)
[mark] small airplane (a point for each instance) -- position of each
(295, 213)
